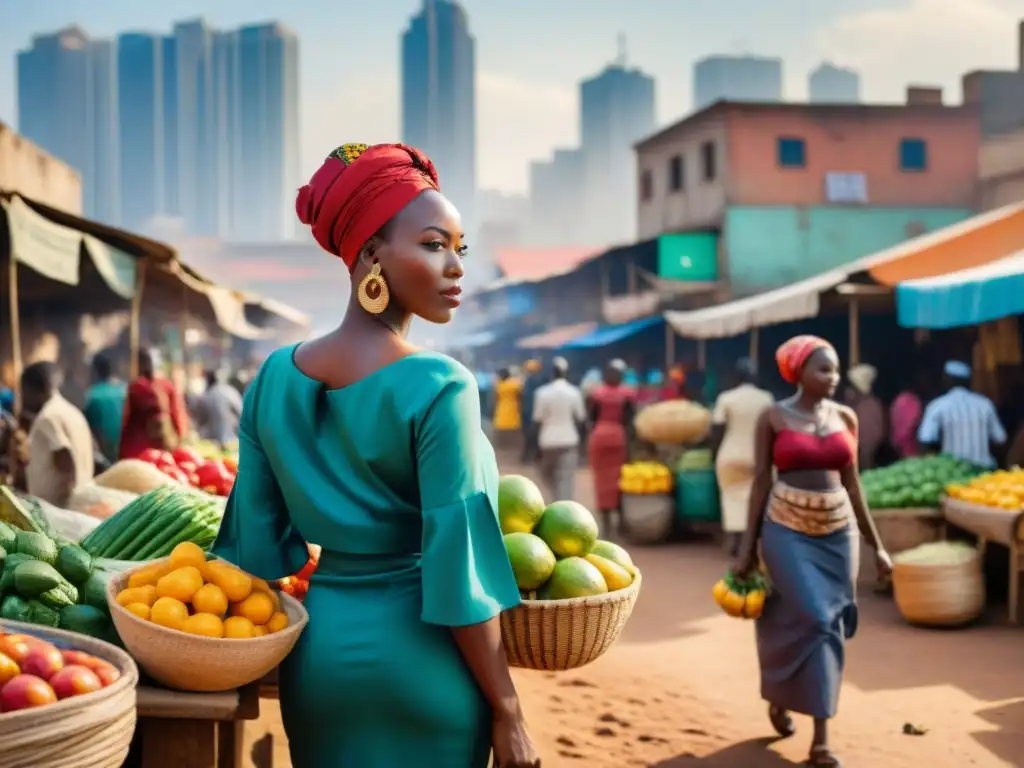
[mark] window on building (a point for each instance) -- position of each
(792, 152)
(676, 177)
(913, 155)
(708, 161)
(646, 185)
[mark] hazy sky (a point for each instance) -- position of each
(532, 53)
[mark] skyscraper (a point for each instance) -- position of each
(616, 111)
(736, 78)
(439, 97)
(829, 84)
(67, 104)
(140, 98)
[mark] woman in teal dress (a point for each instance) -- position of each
(373, 449)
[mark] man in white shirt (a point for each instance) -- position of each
(962, 423)
(558, 412)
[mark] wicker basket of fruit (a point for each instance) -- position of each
(68, 700)
(199, 625)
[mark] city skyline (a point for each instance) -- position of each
(530, 66)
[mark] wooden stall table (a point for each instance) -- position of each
(199, 730)
(1000, 526)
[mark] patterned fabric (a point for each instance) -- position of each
(814, 513)
(793, 354)
(965, 423)
(349, 153)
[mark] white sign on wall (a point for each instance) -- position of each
(846, 187)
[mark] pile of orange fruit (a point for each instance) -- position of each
(211, 598)
(1001, 489)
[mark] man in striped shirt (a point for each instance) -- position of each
(962, 423)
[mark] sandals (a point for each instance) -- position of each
(781, 721)
(822, 757)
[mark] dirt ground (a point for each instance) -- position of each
(681, 688)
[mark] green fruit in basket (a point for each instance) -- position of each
(573, 577)
(611, 551)
(532, 561)
(85, 620)
(568, 528)
(520, 504)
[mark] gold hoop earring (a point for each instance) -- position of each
(373, 291)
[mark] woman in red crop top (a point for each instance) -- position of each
(807, 520)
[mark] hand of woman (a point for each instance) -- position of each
(513, 747)
(884, 564)
(746, 564)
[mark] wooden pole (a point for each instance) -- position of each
(12, 277)
(670, 347)
(136, 318)
(753, 350)
(854, 332)
(702, 354)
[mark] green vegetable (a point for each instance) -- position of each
(11, 562)
(43, 615)
(61, 596)
(74, 563)
(15, 608)
(86, 620)
(34, 577)
(94, 591)
(7, 536)
(38, 545)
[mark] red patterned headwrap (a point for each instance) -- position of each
(358, 190)
(793, 354)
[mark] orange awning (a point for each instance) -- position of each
(556, 337)
(975, 242)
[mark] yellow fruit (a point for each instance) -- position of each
(205, 624)
(236, 584)
(238, 627)
(181, 584)
(259, 631)
(615, 576)
(259, 585)
(257, 608)
(144, 595)
(753, 604)
(719, 591)
(139, 609)
(149, 575)
(187, 553)
(168, 612)
(277, 622)
(210, 599)
(733, 603)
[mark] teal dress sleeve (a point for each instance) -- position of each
(256, 533)
(467, 578)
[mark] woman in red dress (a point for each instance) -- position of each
(154, 412)
(611, 407)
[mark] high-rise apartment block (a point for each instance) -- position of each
(736, 78)
(829, 84)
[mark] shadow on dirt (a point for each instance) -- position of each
(746, 754)
(1007, 743)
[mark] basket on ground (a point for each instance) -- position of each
(194, 663)
(647, 518)
(946, 595)
(558, 635)
(94, 729)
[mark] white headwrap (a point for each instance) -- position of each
(862, 377)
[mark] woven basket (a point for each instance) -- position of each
(939, 595)
(647, 518)
(558, 635)
(90, 731)
(194, 663)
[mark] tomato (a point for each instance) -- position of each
(174, 473)
(231, 464)
(188, 467)
(157, 457)
(212, 473)
(186, 455)
(193, 479)
(225, 485)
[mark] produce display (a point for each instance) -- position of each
(914, 482)
(743, 599)
(696, 460)
(35, 673)
(156, 522)
(100, 502)
(1002, 489)
(673, 422)
(212, 598)
(554, 550)
(645, 477)
(132, 476)
(188, 467)
(937, 553)
(51, 584)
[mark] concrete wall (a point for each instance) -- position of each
(851, 140)
(1001, 171)
(27, 169)
(770, 246)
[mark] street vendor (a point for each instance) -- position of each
(962, 423)
(154, 414)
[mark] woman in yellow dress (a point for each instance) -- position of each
(508, 419)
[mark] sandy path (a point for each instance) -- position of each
(681, 689)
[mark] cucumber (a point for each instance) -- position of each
(140, 542)
(10, 563)
(169, 536)
(136, 525)
(15, 608)
(36, 545)
(7, 536)
(61, 596)
(34, 577)
(85, 620)
(94, 591)
(74, 563)
(107, 531)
